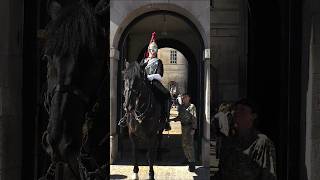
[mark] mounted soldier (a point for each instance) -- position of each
(154, 69)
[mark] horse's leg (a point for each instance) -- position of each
(159, 154)
(134, 155)
(151, 155)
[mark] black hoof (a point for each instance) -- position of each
(192, 167)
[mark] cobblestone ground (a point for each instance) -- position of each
(171, 166)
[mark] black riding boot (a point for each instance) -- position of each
(165, 100)
(166, 111)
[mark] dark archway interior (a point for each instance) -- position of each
(195, 74)
(264, 62)
(192, 64)
(274, 78)
(194, 81)
(264, 66)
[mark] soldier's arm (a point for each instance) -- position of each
(269, 172)
(178, 117)
(194, 117)
(160, 68)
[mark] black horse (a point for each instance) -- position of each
(143, 111)
(75, 51)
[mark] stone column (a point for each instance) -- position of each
(114, 58)
(313, 103)
(11, 18)
(206, 124)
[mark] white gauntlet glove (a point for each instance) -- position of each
(154, 76)
(150, 77)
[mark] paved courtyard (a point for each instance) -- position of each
(161, 172)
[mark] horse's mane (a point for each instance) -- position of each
(132, 71)
(75, 27)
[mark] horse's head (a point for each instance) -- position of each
(134, 78)
(75, 51)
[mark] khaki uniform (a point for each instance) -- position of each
(188, 117)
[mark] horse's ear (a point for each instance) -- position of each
(102, 7)
(53, 8)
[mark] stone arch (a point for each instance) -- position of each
(139, 13)
(120, 28)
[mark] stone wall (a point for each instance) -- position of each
(311, 67)
(228, 41)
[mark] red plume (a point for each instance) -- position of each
(153, 39)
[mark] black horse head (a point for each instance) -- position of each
(134, 84)
(76, 53)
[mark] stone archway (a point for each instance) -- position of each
(119, 39)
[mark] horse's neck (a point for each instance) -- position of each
(146, 95)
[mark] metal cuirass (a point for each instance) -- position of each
(152, 67)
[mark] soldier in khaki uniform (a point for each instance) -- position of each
(188, 117)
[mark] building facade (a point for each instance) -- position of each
(176, 69)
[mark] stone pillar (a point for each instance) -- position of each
(11, 18)
(313, 103)
(206, 124)
(114, 58)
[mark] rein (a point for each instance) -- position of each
(137, 115)
(84, 174)
(146, 109)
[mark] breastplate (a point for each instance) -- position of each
(152, 68)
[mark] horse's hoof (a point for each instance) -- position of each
(135, 176)
(151, 176)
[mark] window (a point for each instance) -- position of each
(173, 57)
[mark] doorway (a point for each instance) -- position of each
(171, 33)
